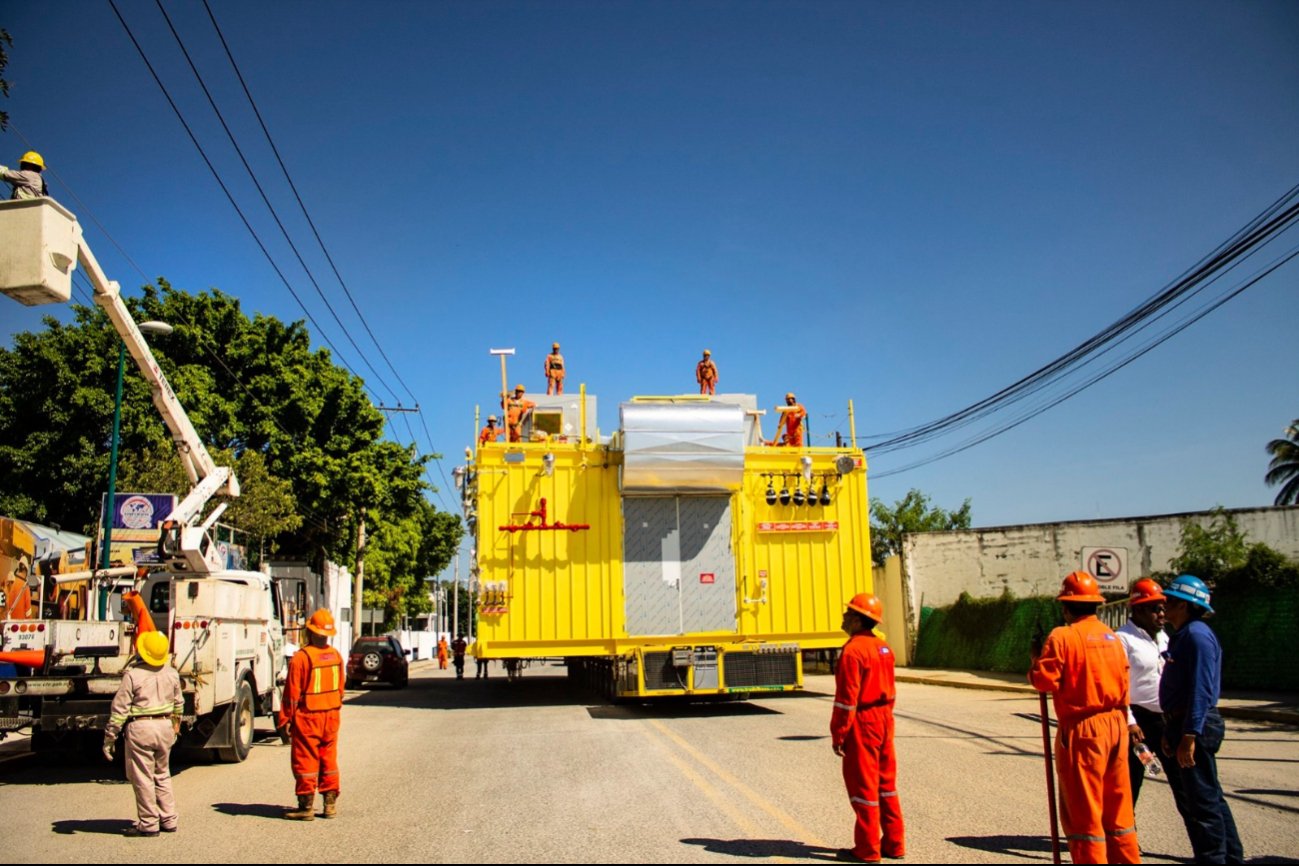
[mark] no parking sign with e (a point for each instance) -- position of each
(1109, 565)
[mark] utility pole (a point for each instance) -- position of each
(505, 391)
(359, 583)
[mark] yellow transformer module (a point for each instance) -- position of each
(682, 556)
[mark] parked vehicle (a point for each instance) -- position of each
(378, 659)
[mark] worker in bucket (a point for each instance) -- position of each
(1144, 641)
(706, 374)
(1193, 727)
(26, 181)
(861, 732)
(313, 697)
(1083, 666)
(490, 433)
(148, 705)
(792, 420)
(554, 371)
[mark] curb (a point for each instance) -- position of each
(1254, 714)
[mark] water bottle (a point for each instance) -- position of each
(1147, 757)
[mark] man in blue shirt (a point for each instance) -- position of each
(1193, 729)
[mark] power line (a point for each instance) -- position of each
(301, 204)
(216, 175)
(261, 192)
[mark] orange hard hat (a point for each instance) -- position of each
(1080, 586)
(868, 606)
(1145, 591)
(322, 623)
(790, 396)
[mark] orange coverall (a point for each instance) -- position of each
(515, 410)
(1085, 668)
(862, 723)
(442, 653)
(554, 373)
(489, 434)
(706, 376)
(793, 421)
(313, 695)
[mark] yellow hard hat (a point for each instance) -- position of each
(152, 647)
(519, 388)
(554, 345)
(790, 396)
(708, 351)
(34, 158)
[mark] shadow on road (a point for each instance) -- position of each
(252, 810)
(447, 693)
(676, 708)
(764, 848)
(1022, 847)
(102, 826)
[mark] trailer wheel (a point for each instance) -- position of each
(240, 719)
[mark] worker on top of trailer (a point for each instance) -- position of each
(313, 696)
(1083, 666)
(706, 374)
(792, 418)
(490, 433)
(861, 732)
(517, 410)
(26, 181)
(554, 371)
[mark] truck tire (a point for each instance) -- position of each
(240, 719)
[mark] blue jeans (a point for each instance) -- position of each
(1198, 795)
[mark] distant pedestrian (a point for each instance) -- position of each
(443, 653)
(458, 647)
(1144, 641)
(861, 732)
(26, 181)
(148, 705)
(1193, 728)
(1083, 666)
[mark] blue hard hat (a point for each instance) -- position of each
(1187, 587)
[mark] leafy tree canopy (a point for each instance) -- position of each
(1221, 555)
(911, 513)
(305, 440)
(1284, 467)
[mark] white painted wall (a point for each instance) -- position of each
(1031, 560)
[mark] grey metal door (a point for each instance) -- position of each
(679, 569)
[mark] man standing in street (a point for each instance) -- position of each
(1144, 641)
(861, 732)
(313, 697)
(706, 374)
(148, 704)
(1083, 666)
(458, 647)
(1193, 729)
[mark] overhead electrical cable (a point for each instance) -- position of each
(215, 174)
(1264, 228)
(274, 149)
(265, 200)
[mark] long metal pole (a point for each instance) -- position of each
(1044, 711)
(104, 560)
(455, 604)
(358, 585)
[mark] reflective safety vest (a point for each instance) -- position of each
(324, 688)
(555, 363)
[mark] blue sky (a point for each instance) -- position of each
(905, 205)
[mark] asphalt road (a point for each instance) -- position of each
(532, 771)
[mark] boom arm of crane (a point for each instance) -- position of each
(38, 235)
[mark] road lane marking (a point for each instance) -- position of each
(798, 830)
(705, 787)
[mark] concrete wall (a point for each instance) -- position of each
(1031, 560)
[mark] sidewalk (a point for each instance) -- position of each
(1279, 707)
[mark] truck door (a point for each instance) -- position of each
(679, 566)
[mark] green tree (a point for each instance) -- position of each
(911, 513)
(251, 385)
(1284, 468)
(1221, 555)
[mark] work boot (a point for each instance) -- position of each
(305, 810)
(331, 804)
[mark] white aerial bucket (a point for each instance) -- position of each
(38, 251)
